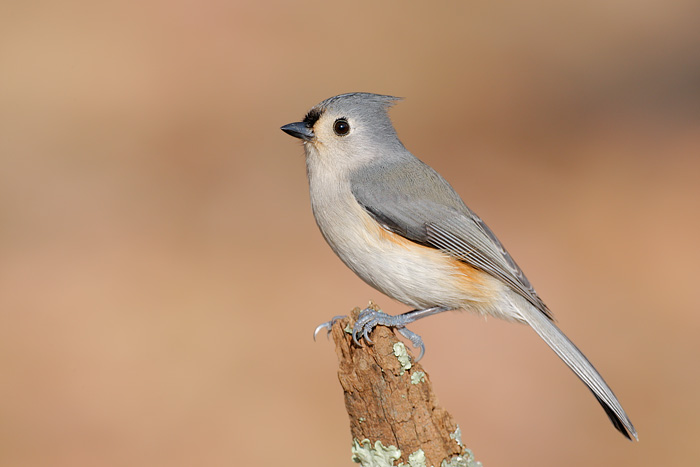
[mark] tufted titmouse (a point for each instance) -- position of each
(403, 229)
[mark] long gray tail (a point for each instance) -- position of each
(580, 365)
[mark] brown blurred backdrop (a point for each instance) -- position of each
(161, 273)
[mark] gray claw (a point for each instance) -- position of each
(328, 325)
(415, 339)
(357, 330)
(365, 335)
(422, 352)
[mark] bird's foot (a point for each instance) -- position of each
(370, 318)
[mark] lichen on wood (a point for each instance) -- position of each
(389, 398)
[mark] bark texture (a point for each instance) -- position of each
(389, 397)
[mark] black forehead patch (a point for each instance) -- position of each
(312, 117)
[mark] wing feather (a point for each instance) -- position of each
(395, 196)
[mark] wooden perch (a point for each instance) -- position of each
(394, 414)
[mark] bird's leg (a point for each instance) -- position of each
(369, 318)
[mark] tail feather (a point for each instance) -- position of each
(616, 421)
(572, 356)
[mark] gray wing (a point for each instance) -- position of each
(411, 199)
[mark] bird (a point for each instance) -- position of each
(402, 228)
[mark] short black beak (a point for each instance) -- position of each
(299, 130)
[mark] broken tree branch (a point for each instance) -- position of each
(394, 414)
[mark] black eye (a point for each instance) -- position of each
(341, 127)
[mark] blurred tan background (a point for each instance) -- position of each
(161, 273)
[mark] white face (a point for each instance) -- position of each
(341, 142)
